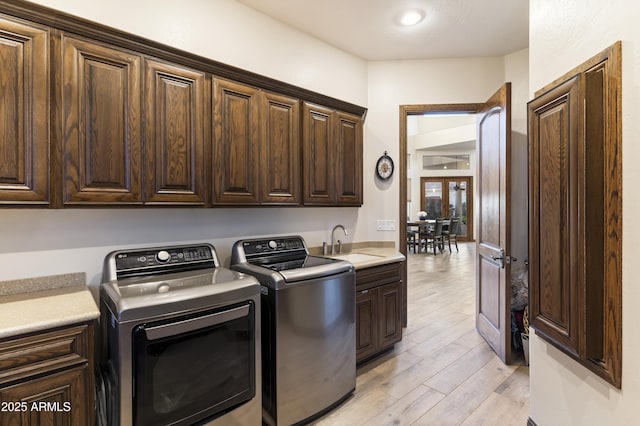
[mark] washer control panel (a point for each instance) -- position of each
(167, 257)
(273, 245)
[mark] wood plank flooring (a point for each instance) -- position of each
(442, 373)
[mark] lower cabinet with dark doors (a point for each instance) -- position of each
(47, 378)
(379, 292)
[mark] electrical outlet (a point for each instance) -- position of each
(386, 224)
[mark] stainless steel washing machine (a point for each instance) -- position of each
(180, 339)
(308, 327)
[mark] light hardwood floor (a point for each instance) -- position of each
(442, 373)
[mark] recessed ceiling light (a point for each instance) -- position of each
(411, 17)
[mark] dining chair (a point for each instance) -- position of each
(434, 238)
(412, 239)
(424, 233)
(451, 234)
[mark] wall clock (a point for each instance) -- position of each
(384, 167)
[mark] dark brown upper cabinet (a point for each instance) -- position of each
(256, 146)
(349, 159)
(332, 157)
(93, 116)
(280, 150)
(176, 101)
(575, 214)
(319, 156)
(236, 138)
(24, 112)
(101, 116)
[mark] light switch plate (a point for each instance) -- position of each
(386, 225)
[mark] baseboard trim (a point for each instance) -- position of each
(530, 422)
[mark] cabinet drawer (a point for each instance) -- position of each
(23, 357)
(378, 275)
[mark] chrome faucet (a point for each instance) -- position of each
(339, 243)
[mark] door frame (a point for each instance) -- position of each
(445, 180)
(405, 112)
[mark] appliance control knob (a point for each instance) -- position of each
(273, 244)
(163, 256)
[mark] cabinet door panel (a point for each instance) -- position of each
(390, 297)
(318, 156)
(24, 110)
(366, 323)
(236, 142)
(175, 134)
(349, 160)
(280, 150)
(555, 279)
(101, 114)
(56, 399)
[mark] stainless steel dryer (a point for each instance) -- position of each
(181, 339)
(308, 327)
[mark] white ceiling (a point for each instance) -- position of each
(369, 28)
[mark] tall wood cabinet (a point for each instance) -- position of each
(575, 226)
(99, 98)
(554, 155)
(47, 378)
(24, 110)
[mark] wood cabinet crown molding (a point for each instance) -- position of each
(102, 33)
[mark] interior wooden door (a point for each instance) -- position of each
(493, 316)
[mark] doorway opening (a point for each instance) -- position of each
(408, 199)
(409, 191)
(492, 160)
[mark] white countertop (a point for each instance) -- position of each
(367, 257)
(27, 312)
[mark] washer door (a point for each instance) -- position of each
(195, 367)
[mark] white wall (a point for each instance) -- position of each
(563, 35)
(45, 242)
(441, 81)
(435, 132)
(235, 34)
